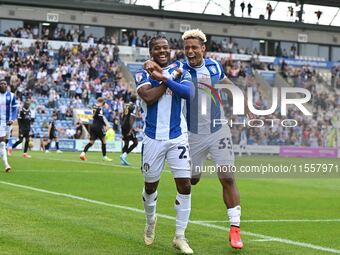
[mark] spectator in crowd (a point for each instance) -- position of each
(293, 51)
(290, 11)
(318, 15)
(269, 10)
(243, 6)
(278, 51)
(133, 39)
(125, 39)
(116, 52)
(232, 7)
(249, 6)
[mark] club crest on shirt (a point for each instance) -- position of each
(213, 69)
(139, 77)
(173, 65)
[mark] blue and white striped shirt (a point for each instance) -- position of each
(8, 108)
(164, 119)
(206, 105)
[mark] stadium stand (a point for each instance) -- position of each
(58, 80)
(317, 130)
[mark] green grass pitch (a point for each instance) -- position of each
(57, 204)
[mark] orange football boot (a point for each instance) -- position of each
(235, 238)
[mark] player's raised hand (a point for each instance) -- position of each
(177, 73)
(151, 66)
(158, 75)
(162, 75)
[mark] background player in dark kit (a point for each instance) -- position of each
(24, 121)
(128, 132)
(97, 129)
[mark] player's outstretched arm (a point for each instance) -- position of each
(184, 89)
(150, 94)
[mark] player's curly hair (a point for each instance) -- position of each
(194, 34)
(154, 39)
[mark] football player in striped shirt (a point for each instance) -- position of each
(8, 114)
(206, 137)
(163, 93)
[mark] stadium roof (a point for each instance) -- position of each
(111, 6)
(89, 5)
(330, 3)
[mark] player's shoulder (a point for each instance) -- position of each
(9, 94)
(142, 72)
(173, 66)
(141, 76)
(211, 62)
(177, 64)
(186, 66)
(214, 67)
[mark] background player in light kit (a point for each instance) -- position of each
(8, 114)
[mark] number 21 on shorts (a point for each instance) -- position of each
(183, 152)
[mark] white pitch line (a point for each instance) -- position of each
(264, 240)
(208, 225)
(89, 162)
(97, 163)
(272, 221)
(73, 171)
